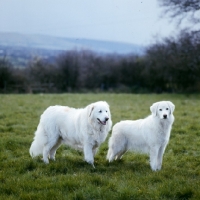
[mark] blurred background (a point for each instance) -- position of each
(99, 46)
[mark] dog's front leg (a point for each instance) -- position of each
(88, 154)
(160, 155)
(154, 158)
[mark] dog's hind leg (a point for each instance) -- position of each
(117, 147)
(110, 155)
(47, 148)
(120, 154)
(54, 148)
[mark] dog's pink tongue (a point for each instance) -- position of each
(104, 123)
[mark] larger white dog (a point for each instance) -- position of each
(150, 135)
(83, 129)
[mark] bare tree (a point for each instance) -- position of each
(180, 10)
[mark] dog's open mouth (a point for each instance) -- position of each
(101, 122)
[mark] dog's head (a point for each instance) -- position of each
(99, 113)
(162, 109)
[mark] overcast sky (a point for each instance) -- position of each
(132, 21)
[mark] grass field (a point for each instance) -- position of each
(69, 177)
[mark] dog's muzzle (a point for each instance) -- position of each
(103, 122)
(164, 116)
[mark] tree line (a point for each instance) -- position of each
(171, 65)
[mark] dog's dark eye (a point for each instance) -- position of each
(160, 109)
(106, 111)
(100, 111)
(167, 108)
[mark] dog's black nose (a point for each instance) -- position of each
(106, 118)
(165, 116)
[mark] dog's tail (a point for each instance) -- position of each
(35, 149)
(37, 145)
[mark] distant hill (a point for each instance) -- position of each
(59, 43)
(21, 48)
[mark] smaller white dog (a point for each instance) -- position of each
(150, 135)
(83, 129)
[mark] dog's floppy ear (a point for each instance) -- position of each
(107, 106)
(153, 109)
(90, 109)
(172, 106)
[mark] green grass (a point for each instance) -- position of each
(69, 177)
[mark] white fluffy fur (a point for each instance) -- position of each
(150, 135)
(83, 129)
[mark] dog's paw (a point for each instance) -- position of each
(52, 158)
(46, 161)
(91, 162)
(156, 168)
(159, 167)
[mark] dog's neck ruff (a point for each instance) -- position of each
(165, 123)
(97, 127)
